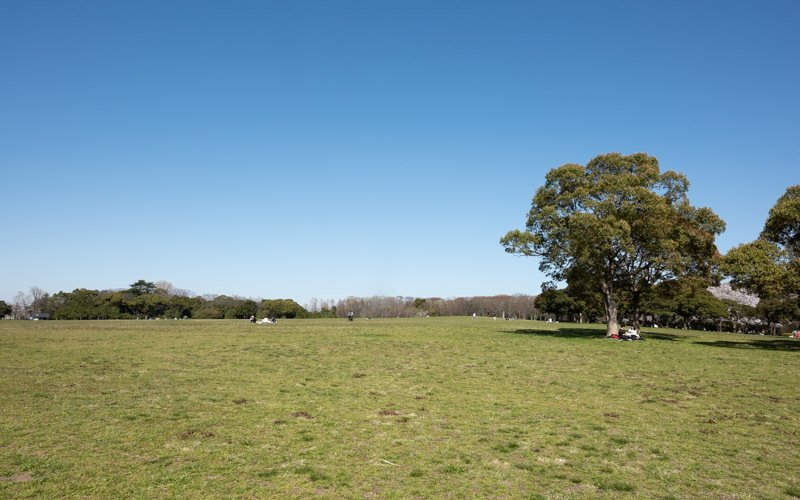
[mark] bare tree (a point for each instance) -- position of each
(37, 296)
(21, 302)
(169, 288)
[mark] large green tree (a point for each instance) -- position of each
(759, 266)
(770, 265)
(142, 287)
(5, 309)
(78, 304)
(149, 305)
(281, 308)
(783, 223)
(687, 299)
(558, 303)
(619, 223)
(184, 307)
(783, 229)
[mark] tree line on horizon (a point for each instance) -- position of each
(144, 300)
(147, 300)
(683, 305)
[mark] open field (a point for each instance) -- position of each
(427, 408)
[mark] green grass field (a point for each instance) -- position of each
(425, 408)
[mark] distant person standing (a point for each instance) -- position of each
(350, 316)
(473, 316)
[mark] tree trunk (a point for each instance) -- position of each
(610, 304)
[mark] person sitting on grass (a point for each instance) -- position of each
(629, 334)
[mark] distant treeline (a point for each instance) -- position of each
(682, 303)
(145, 299)
(508, 306)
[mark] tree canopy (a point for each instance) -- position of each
(142, 287)
(759, 266)
(783, 223)
(770, 265)
(620, 224)
(5, 309)
(688, 299)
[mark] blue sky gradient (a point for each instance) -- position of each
(298, 149)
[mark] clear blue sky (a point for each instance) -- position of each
(298, 149)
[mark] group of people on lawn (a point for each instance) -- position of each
(263, 321)
(629, 334)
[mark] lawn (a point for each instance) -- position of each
(425, 408)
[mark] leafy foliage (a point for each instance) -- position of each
(281, 308)
(783, 223)
(770, 265)
(759, 266)
(142, 287)
(619, 223)
(687, 299)
(558, 303)
(5, 309)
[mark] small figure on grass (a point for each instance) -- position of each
(629, 334)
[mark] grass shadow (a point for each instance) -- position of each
(789, 345)
(669, 337)
(565, 333)
(590, 333)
